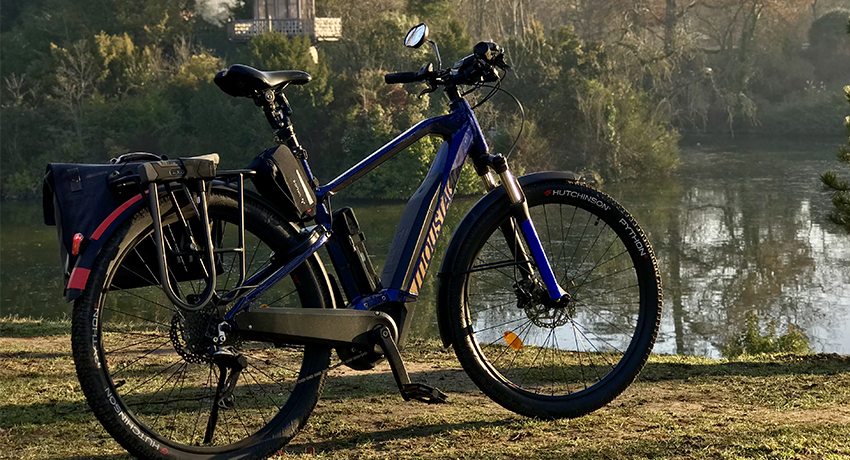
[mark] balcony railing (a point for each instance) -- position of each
(322, 29)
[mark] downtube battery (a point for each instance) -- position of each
(347, 243)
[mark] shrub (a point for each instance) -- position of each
(755, 339)
(816, 111)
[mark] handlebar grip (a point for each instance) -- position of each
(401, 77)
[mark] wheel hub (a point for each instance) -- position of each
(539, 307)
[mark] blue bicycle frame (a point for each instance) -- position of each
(415, 239)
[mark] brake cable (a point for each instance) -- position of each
(493, 90)
(498, 87)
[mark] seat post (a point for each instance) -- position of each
(277, 110)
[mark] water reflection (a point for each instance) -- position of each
(591, 263)
(740, 228)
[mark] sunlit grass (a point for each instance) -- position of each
(766, 406)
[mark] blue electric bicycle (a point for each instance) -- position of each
(205, 319)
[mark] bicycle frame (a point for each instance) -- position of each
(414, 242)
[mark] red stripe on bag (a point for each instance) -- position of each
(111, 218)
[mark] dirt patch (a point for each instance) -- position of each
(53, 344)
(822, 415)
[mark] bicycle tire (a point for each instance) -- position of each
(554, 362)
(145, 378)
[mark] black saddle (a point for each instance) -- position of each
(243, 81)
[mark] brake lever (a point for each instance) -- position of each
(430, 89)
(500, 63)
(425, 71)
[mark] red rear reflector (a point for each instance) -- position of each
(75, 246)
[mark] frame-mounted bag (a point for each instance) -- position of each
(281, 179)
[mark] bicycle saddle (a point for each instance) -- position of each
(243, 81)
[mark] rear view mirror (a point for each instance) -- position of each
(417, 36)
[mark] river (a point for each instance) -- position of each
(741, 227)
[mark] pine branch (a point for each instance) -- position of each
(832, 181)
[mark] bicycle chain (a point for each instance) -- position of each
(330, 368)
(178, 331)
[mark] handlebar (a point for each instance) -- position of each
(481, 66)
(423, 74)
(401, 77)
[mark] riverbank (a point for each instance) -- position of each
(725, 229)
(780, 406)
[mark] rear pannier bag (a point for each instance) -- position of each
(78, 199)
(281, 179)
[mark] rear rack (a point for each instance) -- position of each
(187, 182)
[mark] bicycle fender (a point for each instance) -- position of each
(493, 198)
(82, 269)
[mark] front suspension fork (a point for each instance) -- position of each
(522, 217)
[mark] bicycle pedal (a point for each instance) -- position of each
(423, 393)
(227, 403)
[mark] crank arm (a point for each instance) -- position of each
(415, 391)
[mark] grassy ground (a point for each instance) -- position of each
(771, 407)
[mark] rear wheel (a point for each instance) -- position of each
(148, 369)
(555, 359)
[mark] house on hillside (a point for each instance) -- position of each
(290, 17)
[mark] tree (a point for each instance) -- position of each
(591, 117)
(839, 186)
(76, 75)
(381, 113)
(829, 47)
(271, 51)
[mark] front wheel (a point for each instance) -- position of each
(541, 358)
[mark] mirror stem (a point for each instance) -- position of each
(437, 50)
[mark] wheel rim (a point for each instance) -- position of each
(152, 355)
(556, 351)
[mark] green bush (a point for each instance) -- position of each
(381, 114)
(623, 133)
(591, 117)
(21, 184)
(755, 339)
(125, 76)
(816, 111)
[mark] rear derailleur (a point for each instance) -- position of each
(230, 365)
